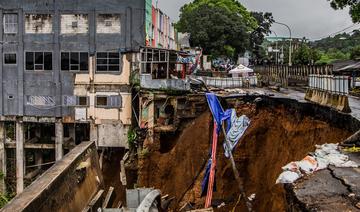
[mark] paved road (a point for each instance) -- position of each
(299, 94)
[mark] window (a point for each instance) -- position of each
(75, 101)
(38, 23)
(38, 61)
(107, 61)
(10, 23)
(108, 24)
(74, 61)
(82, 101)
(101, 101)
(108, 101)
(9, 58)
(74, 24)
(40, 100)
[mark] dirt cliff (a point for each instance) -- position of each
(275, 137)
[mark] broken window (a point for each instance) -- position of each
(108, 61)
(38, 23)
(10, 23)
(109, 101)
(74, 61)
(40, 100)
(9, 58)
(74, 24)
(38, 61)
(108, 23)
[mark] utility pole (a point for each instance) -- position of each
(290, 47)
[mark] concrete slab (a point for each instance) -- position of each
(323, 192)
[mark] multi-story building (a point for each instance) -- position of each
(65, 70)
(160, 30)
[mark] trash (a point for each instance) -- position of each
(287, 177)
(293, 166)
(325, 155)
(308, 165)
(251, 197)
(221, 205)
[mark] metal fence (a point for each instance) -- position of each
(286, 75)
(228, 82)
(330, 83)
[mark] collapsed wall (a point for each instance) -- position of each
(281, 131)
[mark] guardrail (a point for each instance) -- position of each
(238, 82)
(329, 83)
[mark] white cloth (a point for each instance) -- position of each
(238, 127)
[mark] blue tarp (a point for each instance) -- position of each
(219, 116)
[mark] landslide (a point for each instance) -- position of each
(276, 136)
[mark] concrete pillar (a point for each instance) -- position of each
(2, 157)
(38, 158)
(20, 169)
(72, 133)
(59, 140)
(93, 133)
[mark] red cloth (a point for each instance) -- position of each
(213, 168)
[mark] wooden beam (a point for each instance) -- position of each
(12, 145)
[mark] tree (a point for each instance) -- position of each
(305, 55)
(353, 4)
(264, 21)
(219, 27)
(355, 53)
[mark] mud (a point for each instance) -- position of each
(277, 135)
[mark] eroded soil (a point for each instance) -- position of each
(276, 136)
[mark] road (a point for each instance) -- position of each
(299, 95)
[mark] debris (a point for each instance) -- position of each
(221, 205)
(252, 197)
(325, 155)
(288, 177)
(358, 205)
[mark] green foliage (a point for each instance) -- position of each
(3, 200)
(343, 42)
(355, 53)
(220, 27)
(305, 55)
(264, 21)
(132, 138)
(354, 7)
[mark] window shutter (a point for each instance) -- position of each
(70, 100)
(114, 101)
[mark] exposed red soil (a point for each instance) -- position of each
(274, 138)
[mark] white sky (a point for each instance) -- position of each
(310, 18)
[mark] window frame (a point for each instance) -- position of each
(34, 63)
(10, 64)
(101, 106)
(16, 24)
(108, 64)
(109, 101)
(79, 60)
(77, 101)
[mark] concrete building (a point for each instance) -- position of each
(65, 68)
(160, 30)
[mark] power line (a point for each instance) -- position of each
(335, 33)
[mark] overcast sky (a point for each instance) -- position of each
(310, 18)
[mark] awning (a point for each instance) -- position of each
(241, 69)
